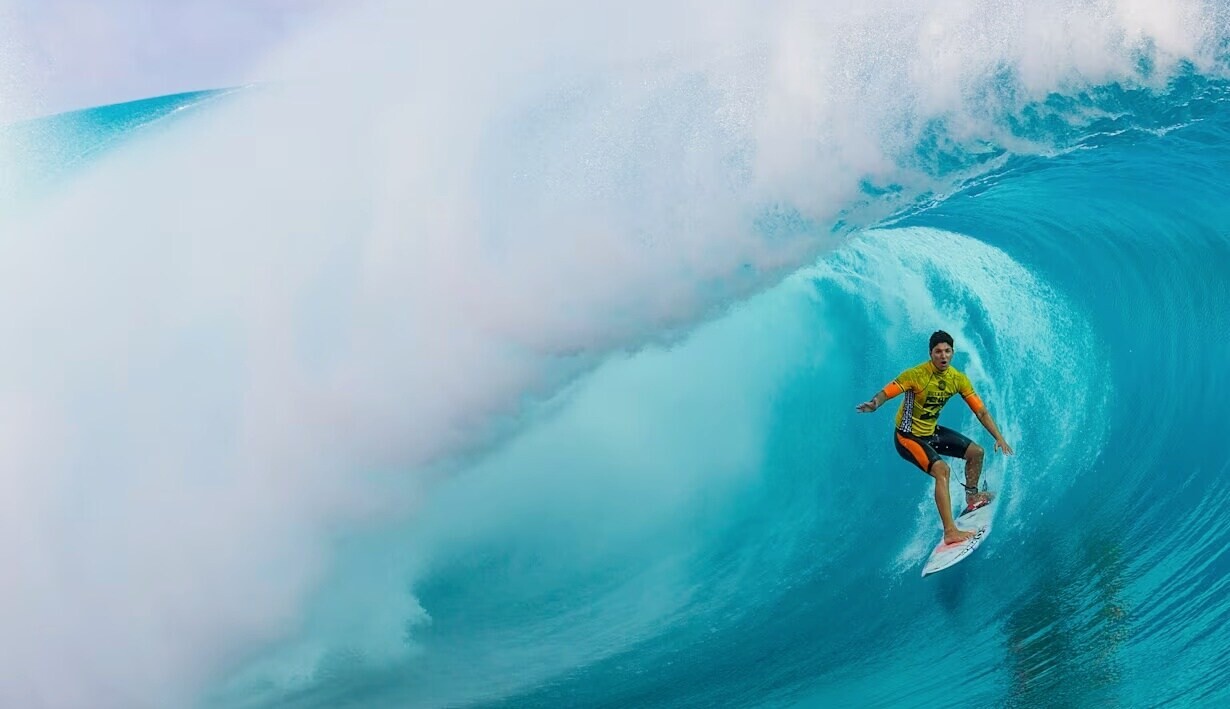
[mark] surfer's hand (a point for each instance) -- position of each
(866, 407)
(1002, 446)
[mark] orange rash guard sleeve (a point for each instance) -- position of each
(891, 389)
(975, 404)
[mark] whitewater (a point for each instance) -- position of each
(508, 357)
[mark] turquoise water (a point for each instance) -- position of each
(352, 460)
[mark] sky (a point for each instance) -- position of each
(58, 55)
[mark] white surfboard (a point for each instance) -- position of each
(945, 555)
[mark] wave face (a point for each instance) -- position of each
(553, 404)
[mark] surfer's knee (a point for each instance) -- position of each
(974, 453)
(940, 470)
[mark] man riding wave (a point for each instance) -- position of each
(920, 439)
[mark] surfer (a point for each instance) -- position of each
(921, 440)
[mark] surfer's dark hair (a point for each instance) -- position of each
(939, 336)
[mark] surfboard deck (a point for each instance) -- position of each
(946, 555)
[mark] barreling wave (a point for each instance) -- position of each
(525, 377)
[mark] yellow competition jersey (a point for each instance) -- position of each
(926, 391)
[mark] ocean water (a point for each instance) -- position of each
(502, 380)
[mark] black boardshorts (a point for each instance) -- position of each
(925, 451)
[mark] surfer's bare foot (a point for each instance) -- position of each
(954, 535)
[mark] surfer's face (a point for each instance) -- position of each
(941, 356)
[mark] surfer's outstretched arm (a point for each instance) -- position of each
(883, 395)
(984, 417)
(871, 404)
